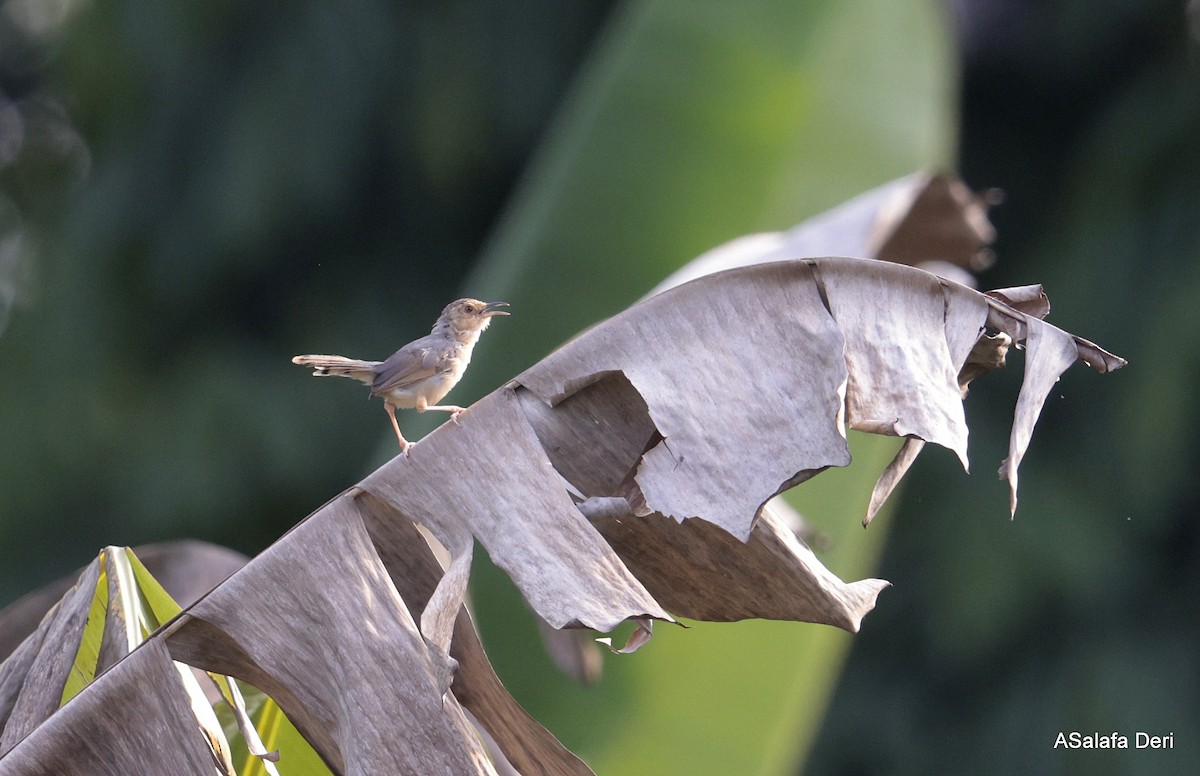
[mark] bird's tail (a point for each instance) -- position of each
(339, 366)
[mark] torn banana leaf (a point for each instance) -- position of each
(743, 378)
(416, 572)
(699, 571)
(488, 478)
(515, 736)
(701, 402)
(928, 220)
(623, 477)
(315, 622)
(186, 569)
(34, 675)
(124, 605)
(766, 363)
(135, 718)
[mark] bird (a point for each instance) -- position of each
(420, 374)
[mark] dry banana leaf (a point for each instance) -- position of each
(186, 569)
(315, 622)
(622, 477)
(33, 677)
(136, 718)
(927, 220)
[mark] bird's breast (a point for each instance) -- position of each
(433, 388)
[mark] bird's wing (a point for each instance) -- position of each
(415, 361)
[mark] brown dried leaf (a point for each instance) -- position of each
(964, 315)
(33, 677)
(989, 353)
(918, 219)
(699, 571)
(12, 677)
(910, 220)
(186, 569)
(703, 402)
(642, 633)
(1049, 351)
(315, 622)
(1031, 300)
(111, 728)
(945, 221)
(906, 456)
(723, 358)
(903, 381)
(416, 573)
(489, 478)
(1017, 312)
(745, 365)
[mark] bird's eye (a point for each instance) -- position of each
(470, 308)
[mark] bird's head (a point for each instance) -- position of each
(469, 316)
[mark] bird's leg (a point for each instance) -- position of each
(454, 410)
(404, 443)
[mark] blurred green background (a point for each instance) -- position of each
(192, 193)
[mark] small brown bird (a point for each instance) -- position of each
(419, 374)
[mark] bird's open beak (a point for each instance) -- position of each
(493, 308)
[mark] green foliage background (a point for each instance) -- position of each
(192, 193)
